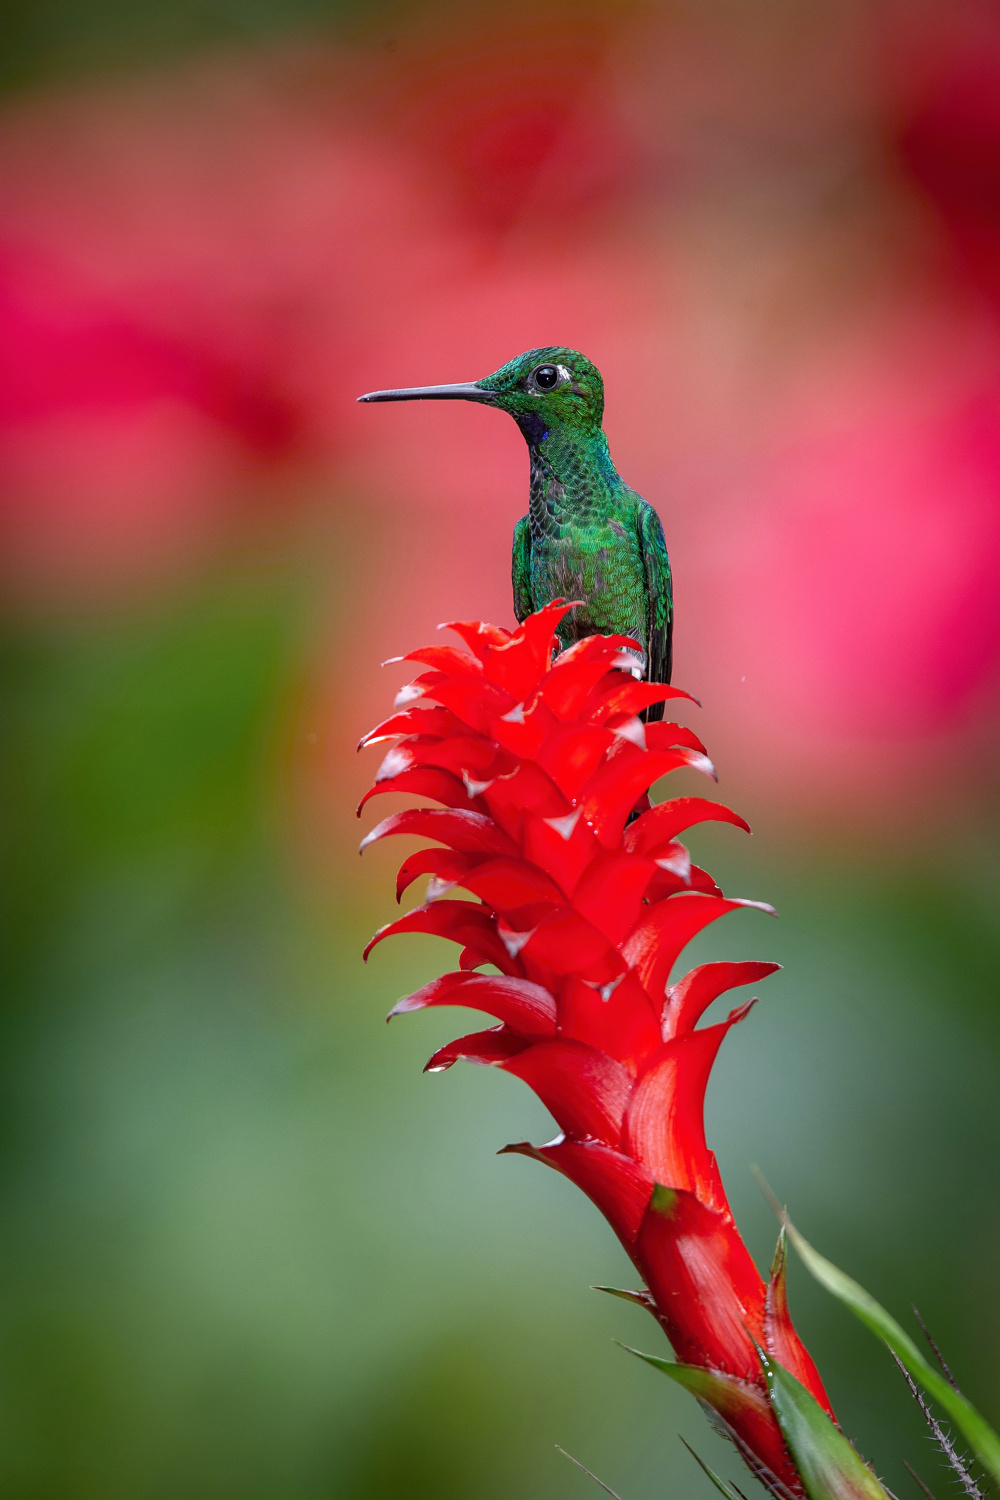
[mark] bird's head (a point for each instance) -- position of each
(541, 389)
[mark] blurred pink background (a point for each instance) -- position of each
(778, 235)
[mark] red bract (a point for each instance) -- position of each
(539, 759)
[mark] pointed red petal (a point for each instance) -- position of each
(562, 846)
(444, 864)
(665, 1128)
(583, 1089)
(623, 1024)
(615, 787)
(477, 635)
(444, 659)
(664, 884)
(705, 1283)
(780, 1339)
(665, 736)
(523, 731)
(567, 687)
(659, 937)
(475, 703)
(526, 790)
(487, 1047)
(667, 819)
(518, 664)
(437, 721)
(426, 781)
(460, 921)
(610, 649)
(471, 832)
(629, 696)
(615, 1183)
(690, 997)
(566, 944)
(461, 755)
(506, 884)
(526, 1008)
(610, 893)
(571, 755)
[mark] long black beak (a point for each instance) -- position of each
(465, 390)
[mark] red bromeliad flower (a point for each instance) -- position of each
(539, 760)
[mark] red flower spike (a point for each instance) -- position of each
(538, 760)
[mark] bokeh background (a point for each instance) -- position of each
(249, 1251)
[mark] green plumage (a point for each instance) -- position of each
(587, 535)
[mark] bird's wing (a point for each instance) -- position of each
(520, 569)
(660, 599)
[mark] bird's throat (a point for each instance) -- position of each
(572, 479)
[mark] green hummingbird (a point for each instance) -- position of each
(587, 534)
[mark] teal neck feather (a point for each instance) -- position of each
(572, 477)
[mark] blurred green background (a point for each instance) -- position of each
(249, 1250)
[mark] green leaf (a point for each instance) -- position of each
(830, 1468)
(975, 1427)
(726, 1394)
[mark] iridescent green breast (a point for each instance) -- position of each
(599, 562)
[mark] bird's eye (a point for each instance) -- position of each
(546, 376)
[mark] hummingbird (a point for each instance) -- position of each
(587, 535)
